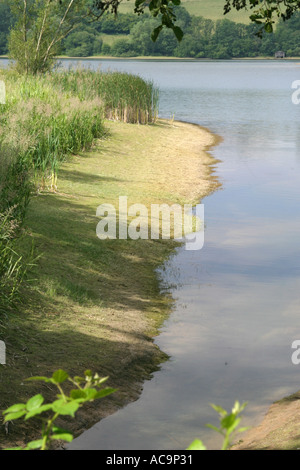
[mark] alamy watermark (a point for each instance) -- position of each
(296, 93)
(182, 223)
(2, 353)
(2, 92)
(296, 354)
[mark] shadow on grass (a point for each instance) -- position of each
(32, 351)
(86, 178)
(75, 263)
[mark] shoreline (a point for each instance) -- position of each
(179, 59)
(110, 329)
(171, 58)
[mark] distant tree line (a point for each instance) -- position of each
(5, 25)
(203, 38)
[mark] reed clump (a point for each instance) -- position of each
(125, 97)
(42, 125)
(50, 116)
(15, 190)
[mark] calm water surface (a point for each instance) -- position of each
(237, 300)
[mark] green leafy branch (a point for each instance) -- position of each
(265, 11)
(164, 9)
(228, 426)
(86, 389)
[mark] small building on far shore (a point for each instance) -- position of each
(279, 55)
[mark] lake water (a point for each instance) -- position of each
(237, 308)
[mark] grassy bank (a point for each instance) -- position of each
(46, 120)
(98, 304)
(43, 121)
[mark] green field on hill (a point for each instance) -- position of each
(212, 9)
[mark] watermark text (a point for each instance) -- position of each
(2, 353)
(2, 92)
(163, 221)
(296, 354)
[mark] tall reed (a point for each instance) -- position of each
(43, 125)
(125, 97)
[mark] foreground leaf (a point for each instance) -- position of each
(34, 402)
(15, 408)
(38, 411)
(68, 437)
(59, 376)
(65, 409)
(196, 445)
(34, 445)
(12, 416)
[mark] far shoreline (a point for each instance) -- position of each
(170, 58)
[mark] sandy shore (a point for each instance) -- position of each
(279, 430)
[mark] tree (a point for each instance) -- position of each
(41, 26)
(264, 11)
(81, 44)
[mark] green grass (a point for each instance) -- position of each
(213, 9)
